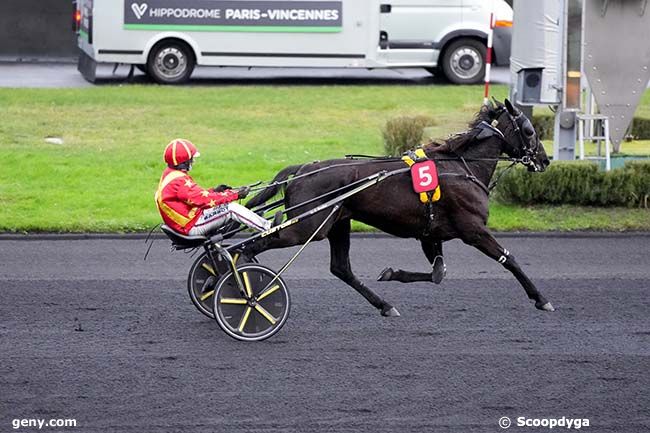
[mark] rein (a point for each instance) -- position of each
(386, 159)
(526, 160)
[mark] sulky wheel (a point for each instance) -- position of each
(258, 314)
(202, 280)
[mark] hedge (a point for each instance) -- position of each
(404, 133)
(579, 183)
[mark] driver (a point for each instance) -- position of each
(191, 210)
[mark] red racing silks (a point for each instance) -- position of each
(181, 201)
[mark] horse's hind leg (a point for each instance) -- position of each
(339, 237)
(433, 252)
(486, 243)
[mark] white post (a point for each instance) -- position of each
(488, 60)
(608, 162)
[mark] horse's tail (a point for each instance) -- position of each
(273, 188)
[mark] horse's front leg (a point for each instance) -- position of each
(433, 251)
(486, 243)
(339, 238)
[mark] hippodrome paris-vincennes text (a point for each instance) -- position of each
(248, 14)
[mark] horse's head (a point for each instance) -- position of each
(520, 137)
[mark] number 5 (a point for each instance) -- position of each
(425, 177)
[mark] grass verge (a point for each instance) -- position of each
(102, 178)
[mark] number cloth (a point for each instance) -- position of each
(424, 176)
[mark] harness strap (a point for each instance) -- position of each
(470, 176)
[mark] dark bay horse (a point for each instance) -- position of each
(465, 162)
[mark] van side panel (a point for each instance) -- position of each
(416, 21)
(347, 46)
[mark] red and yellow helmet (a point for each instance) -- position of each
(179, 151)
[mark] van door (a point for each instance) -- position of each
(409, 25)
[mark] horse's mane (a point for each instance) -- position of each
(458, 141)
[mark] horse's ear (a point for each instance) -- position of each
(512, 110)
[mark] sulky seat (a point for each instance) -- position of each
(182, 241)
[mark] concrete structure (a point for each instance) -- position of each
(563, 47)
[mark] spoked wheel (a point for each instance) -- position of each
(202, 280)
(257, 315)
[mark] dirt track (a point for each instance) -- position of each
(90, 331)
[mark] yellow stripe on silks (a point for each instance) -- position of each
(186, 148)
(265, 313)
(173, 175)
(244, 319)
(268, 292)
(209, 269)
(206, 295)
(236, 301)
(420, 153)
(174, 153)
(235, 258)
(171, 213)
(175, 216)
(247, 284)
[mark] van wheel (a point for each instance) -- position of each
(464, 61)
(142, 68)
(170, 63)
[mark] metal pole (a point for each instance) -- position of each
(565, 121)
(488, 60)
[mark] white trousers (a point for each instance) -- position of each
(214, 218)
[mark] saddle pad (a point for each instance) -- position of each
(424, 176)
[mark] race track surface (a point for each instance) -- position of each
(90, 331)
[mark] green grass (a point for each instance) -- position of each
(567, 218)
(104, 175)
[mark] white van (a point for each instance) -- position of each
(168, 38)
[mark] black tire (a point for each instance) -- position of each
(142, 68)
(171, 62)
(202, 280)
(258, 315)
(463, 61)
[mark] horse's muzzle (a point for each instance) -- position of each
(539, 166)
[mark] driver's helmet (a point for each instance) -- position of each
(179, 151)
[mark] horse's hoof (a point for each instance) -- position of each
(545, 306)
(390, 312)
(439, 270)
(386, 275)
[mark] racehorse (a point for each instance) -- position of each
(466, 163)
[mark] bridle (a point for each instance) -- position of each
(529, 152)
